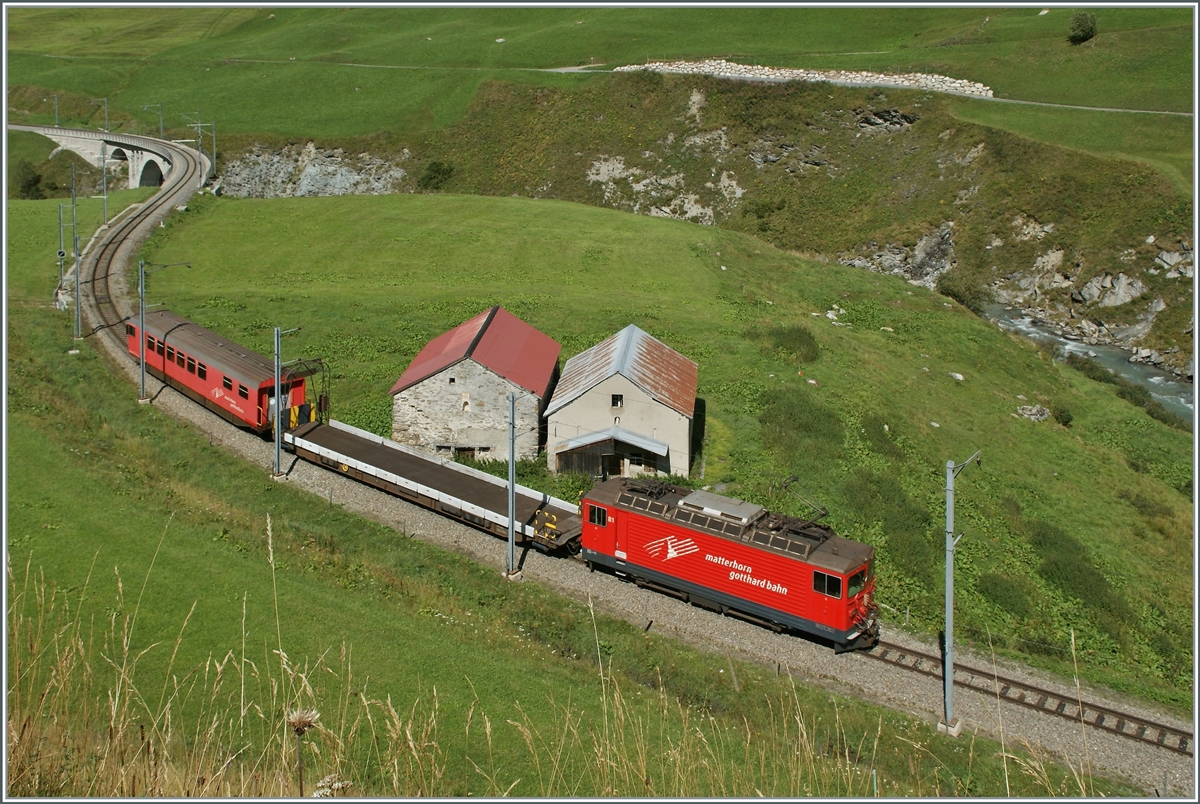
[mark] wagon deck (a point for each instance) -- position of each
(438, 484)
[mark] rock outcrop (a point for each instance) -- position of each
(309, 171)
(932, 256)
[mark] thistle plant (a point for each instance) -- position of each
(301, 720)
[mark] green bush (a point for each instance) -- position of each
(436, 175)
(966, 291)
(1062, 415)
(1005, 593)
(1083, 27)
(26, 181)
(881, 498)
(795, 339)
(879, 436)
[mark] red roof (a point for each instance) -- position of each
(495, 339)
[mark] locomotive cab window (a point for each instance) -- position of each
(130, 330)
(856, 583)
(827, 584)
(598, 516)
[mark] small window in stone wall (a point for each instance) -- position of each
(452, 381)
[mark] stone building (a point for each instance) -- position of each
(622, 408)
(453, 397)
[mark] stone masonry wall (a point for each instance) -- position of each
(471, 412)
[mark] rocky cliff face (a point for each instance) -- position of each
(307, 170)
(922, 265)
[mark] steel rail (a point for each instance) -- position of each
(106, 258)
(1042, 700)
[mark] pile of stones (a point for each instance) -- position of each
(721, 68)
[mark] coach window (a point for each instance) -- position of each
(827, 584)
(191, 365)
(130, 330)
(179, 359)
(598, 516)
(150, 343)
(202, 371)
(227, 384)
(170, 354)
(158, 346)
(243, 392)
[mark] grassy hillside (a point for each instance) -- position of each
(797, 164)
(868, 425)
(244, 67)
(146, 608)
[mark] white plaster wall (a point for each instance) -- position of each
(641, 414)
(430, 413)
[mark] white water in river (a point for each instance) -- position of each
(1174, 393)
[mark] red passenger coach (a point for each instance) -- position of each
(229, 379)
(734, 557)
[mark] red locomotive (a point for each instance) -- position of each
(734, 557)
(229, 379)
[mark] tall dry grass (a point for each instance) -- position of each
(84, 720)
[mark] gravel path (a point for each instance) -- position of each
(857, 676)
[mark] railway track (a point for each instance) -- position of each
(1042, 700)
(102, 276)
(104, 263)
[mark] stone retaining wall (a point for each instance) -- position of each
(727, 69)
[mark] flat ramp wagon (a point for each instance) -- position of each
(439, 484)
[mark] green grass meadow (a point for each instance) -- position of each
(372, 280)
(157, 541)
(1078, 529)
(417, 70)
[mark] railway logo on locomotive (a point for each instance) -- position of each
(672, 547)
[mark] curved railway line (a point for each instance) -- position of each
(103, 277)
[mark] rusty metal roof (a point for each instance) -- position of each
(495, 339)
(647, 362)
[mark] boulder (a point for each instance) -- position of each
(1035, 413)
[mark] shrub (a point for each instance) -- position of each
(436, 175)
(1062, 415)
(964, 290)
(880, 498)
(797, 340)
(873, 430)
(1083, 27)
(1005, 593)
(27, 181)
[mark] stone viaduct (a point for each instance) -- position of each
(148, 159)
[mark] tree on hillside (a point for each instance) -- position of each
(27, 180)
(1083, 27)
